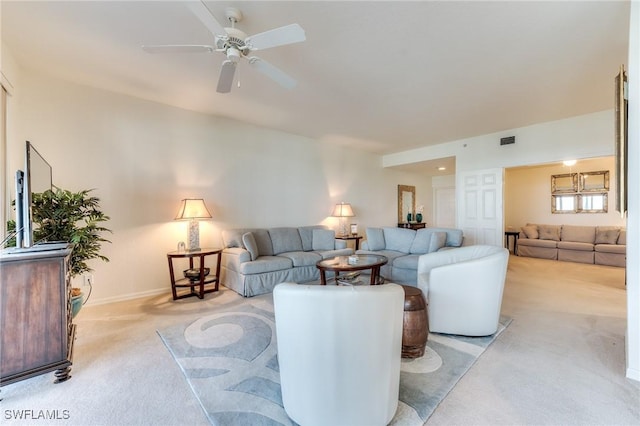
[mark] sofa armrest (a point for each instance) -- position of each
(340, 244)
(233, 257)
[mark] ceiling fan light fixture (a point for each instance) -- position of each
(234, 55)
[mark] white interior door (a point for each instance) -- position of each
(444, 204)
(480, 202)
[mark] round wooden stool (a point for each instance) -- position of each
(415, 327)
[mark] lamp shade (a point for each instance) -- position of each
(193, 208)
(343, 210)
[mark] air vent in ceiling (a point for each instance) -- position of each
(508, 140)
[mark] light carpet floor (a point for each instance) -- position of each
(229, 358)
(560, 362)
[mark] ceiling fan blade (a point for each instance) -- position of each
(179, 48)
(273, 72)
(277, 37)
(226, 77)
(206, 17)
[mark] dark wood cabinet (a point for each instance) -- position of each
(35, 315)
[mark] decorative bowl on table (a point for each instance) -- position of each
(194, 274)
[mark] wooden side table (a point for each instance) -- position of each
(356, 238)
(212, 278)
(412, 225)
(515, 235)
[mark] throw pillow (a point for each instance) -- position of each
(549, 232)
(323, 239)
(250, 244)
(375, 239)
(531, 231)
(438, 240)
(607, 236)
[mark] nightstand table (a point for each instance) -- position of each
(212, 278)
(356, 238)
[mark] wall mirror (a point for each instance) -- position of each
(594, 181)
(594, 203)
(406, 202)
(564, 183)
(563, 204)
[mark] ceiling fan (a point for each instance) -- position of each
(236, 45)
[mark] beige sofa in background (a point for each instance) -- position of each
(602, 245)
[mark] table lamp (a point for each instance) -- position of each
(193, 209)
(343, 210)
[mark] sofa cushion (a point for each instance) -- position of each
(579, 234)
(323, 239)
(421, 241)
(250, 244)
(575, 245)
(622, 238)
(233, 238)
(375, 239)
(607, 235)
(549, 232)
(285, 240)
(306, 236)
(530, 231)
(537, 243)
(611, 248)
(398, 239)
(438, 240)
(454, 236)
(302, 258)
(333, 253)
(265, 264)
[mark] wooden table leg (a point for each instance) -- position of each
(201, 295)
(374, 275)
(323, 278)
(173, 280)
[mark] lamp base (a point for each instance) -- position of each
(193, 236)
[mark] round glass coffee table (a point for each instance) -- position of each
(357, 262)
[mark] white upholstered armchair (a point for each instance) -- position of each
(339, 352)
(463, 287)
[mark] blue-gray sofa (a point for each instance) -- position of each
(404, 246)
(255, 260)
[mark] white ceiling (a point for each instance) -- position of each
(379, 76)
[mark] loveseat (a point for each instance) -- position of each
(255, 260)
(602, 245)
(404, 246)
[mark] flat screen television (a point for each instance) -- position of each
(36, 178)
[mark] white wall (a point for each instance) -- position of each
(633, 222)
(585, 136)
(144, 157)
(527, 195)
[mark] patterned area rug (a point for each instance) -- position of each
(229, 358)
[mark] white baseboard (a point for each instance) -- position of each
(130, 296)
(633, 374)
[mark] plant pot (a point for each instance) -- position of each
(76, 304)
(419, 217)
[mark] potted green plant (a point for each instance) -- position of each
(74, 217)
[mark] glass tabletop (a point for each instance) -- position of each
(361, 260)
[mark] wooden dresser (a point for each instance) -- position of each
(35, 314)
